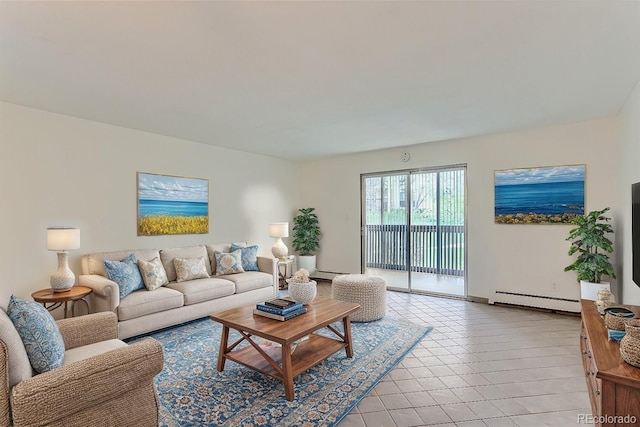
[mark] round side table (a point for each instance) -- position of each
(59, 299)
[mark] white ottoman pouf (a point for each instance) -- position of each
(368, 291)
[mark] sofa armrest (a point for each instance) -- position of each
(269, 265)
(89, 329)
(105, 295)
(51, 397)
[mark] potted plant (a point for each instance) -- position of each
(301, 288)
(306, 238)
(589, 240)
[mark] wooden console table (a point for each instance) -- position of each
(613, 385)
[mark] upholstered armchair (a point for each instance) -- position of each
(102, 381)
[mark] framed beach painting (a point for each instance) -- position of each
(172, 205)
(540, 195)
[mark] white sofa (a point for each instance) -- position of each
(144, 311)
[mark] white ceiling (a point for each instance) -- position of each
(301, 80)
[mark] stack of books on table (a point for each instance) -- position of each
(279, 309)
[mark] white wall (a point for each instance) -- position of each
(523, 258)
(629, 174)
(60, 170)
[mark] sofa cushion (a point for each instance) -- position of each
(141, 303)
(191, 268)
(39, 333)
(87, 351)
(94, 263)
(126, 274)
(200, 290)
(153, 274)
(167, 256)
(249, 256)
(19, 366)
(250, 280)
(229, 262)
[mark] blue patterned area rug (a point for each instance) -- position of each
(193, 393)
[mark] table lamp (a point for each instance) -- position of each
(62, 240)
(279, 230)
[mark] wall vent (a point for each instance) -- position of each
(537, 301)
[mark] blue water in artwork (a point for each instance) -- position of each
(546, 198)
(172, 208)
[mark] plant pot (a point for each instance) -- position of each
(302, 292)
(308, 262)
(590, 290)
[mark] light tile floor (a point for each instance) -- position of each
(422, 282)
(482, 365)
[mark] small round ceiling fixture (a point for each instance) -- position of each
(405, 156)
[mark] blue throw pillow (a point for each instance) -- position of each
(126, 274)
(249, 256)
(228, 262)
(39, 333)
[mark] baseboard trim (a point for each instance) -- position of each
(326, 275)
(481, 300)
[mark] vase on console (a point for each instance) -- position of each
(630, 344)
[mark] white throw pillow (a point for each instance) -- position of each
(153, 273)
(190, 269)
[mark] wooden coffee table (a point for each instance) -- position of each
(279, 361)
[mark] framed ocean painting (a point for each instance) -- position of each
(541, 195)
(172, 205)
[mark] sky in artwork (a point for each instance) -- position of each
(540, 175)
(163, 187)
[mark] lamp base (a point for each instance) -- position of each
(63, 278)
(279, 249)
(61, 285)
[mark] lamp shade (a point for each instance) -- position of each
(279, 229)
(63, 239)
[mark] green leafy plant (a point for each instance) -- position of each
(589, 240)
(306, 232)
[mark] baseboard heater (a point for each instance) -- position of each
(537, 301)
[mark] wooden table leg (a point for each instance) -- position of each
(53, 305)
(223, 348)
(346, 322)
(287, 372)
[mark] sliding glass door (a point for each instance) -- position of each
(385, 217)
(413, 229)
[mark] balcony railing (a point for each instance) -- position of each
(434, 249)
